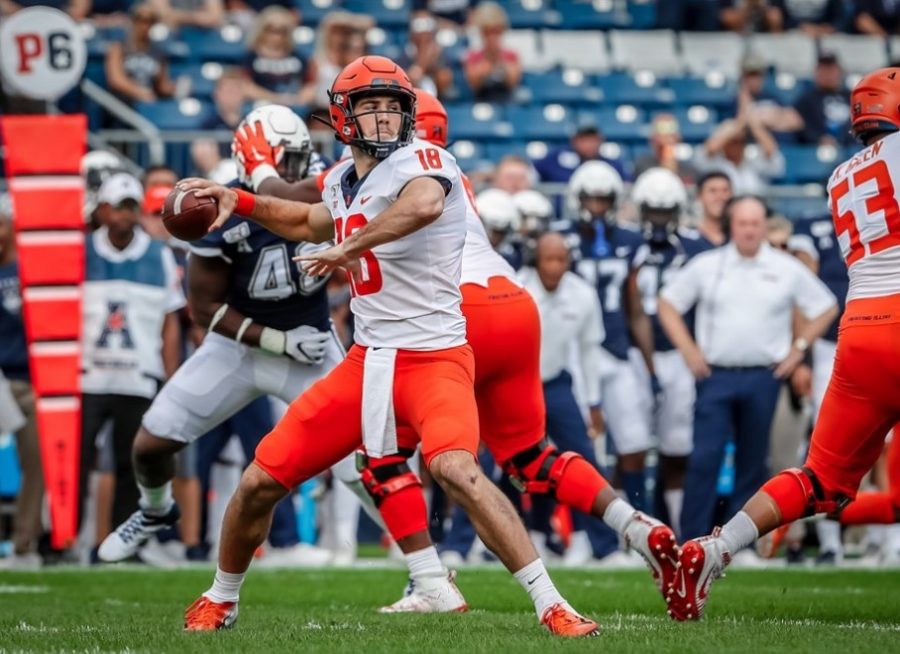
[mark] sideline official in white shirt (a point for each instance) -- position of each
(745, 293)
(570, 318)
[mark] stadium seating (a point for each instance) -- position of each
(653, 51)
(189, 113)
(705, 52)
(792, 52)
(809, 164)
(856, 53)
(478, 121)
(584, 50)
(552, 122)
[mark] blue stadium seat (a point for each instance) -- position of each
(642, 90)
(313, 11)
(532, 15)
(225, 45)
(176, 114)
(796, 208)
(583, 15)
(496, 150)
(696, 123)
(386, 13)
(809, 163)
(788, 90)
(568, 87)
(467, 153)
(625, 123)
(697, 90)
(201, 87)
(553, 122)
(478, 121)
(642, 13)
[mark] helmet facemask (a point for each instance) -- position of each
(380, 147)
(659, 223)
(596, 207)
(293, 163)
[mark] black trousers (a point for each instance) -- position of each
(124, 412)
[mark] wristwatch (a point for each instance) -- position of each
(801, 345)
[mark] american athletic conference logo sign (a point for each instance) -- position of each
(42, 52)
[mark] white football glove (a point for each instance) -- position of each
(304, 344)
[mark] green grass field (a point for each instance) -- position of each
(137, 610)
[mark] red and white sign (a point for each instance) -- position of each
(42, 52)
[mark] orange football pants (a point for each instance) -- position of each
(862, 402)
(504, 329)
(433, 397)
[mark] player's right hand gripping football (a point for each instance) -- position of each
(226, 199)
(306, 344)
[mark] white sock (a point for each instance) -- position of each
(674, 500)
(425, 562)
(226, 586)
(618, 514)
(738, 533)
(537, 583)
(157, 500)
(829, 532)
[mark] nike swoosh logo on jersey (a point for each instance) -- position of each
(362, 201)
(531, 581)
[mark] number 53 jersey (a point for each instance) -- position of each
(405, 294)
(265, 283)
(863, 193)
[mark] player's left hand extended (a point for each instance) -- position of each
(784, 369)
(325, 261)
(226, 198)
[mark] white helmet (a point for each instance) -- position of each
(498, 210)
(285, 131)
(97, 165)
(593, 179)
(659, 188)
(535, 208)
(661, 197)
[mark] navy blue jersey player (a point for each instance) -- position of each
(661, 199)
(609, 255)
(269, 333)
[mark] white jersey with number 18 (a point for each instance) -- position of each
(406, 293)
(862, 192)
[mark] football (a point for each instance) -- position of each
(187, 216)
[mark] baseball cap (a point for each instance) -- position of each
(587, 125)
(828, 57)
(753, 63)
(155, 198)
(119, 187)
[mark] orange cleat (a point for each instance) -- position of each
(206, 615)
(562, 620)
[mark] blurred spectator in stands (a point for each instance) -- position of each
(108, 13)
(664, 139)
(423, 57)
(193, 13)
(450, 13)
(208, 161)
(559, 164)
(77, 9)
(137, 68)
(159, 175)
(726, 150)
(780, 230)
(243, 12)
(713, 193)
(878, 17)
(17, 401)
(277, 74)
(688, 15)
(748, 16)
(493, 72)
(825, 107)
(228, 98)
(340, 39)
(813, 17)
(766, 105)
(513, 174)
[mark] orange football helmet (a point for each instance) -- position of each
(371, 75)
(432, 123)
(875, 103)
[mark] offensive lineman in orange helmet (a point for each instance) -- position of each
(861, 403)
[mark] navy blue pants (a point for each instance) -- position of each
(732, 404)
(566, 428)
(250, 424)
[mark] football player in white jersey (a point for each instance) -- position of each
(861, 403)
(398, 212)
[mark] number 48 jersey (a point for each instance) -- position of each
(862, 192)
(266, 284)
(405, 294)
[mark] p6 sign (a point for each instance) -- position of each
(42, 52)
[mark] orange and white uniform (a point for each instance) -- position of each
(411, 365)
(504, 330)
(862, 402)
